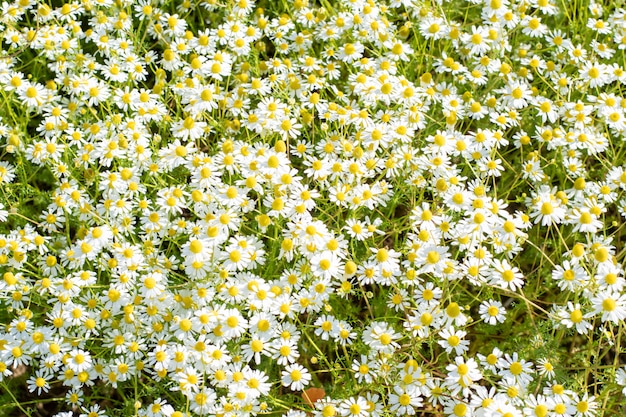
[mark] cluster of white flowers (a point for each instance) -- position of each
(235, 203)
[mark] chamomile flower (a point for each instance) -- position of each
(452, 340)
(478, 41)
(492, 312)
(533, 26)
(595, 74)
(609, 276)
(188, 129)
(405, 400)
(545, 368)
(433, 27)
(354, 407)
(458, 408)
(364, 370)
(612, 305)
(573, 316)
(517, 94)
(326, 265)
(547, 209)
(345, 334)
(38, 382)
(286, 351)
(569, 276)
(514, 369)
(33, 95)
(296, 377)
(381, 337)
(203, 401)
(462, 374)
(79, 360)
(327, 325)
(351, 52)
(506, 276)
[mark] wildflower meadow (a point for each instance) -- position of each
(312, 208)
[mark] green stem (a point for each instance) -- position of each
(15, 401)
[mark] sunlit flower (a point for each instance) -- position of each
(296, 377)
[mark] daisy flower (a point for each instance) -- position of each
(381, 337)
(38, 382)
(611, 304)
(492, 312)
(515, 369)
(478, 42)
(506, 276)
(569, 276)
(462, 374)
(517, 94)
(452, 340)
(354, 407)
(405, 400)
(572, 316)
(33, 95)
(296, 377)
(457, 408)
(364, 370)
(79, 360)
(188, 129)
(546, 208)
